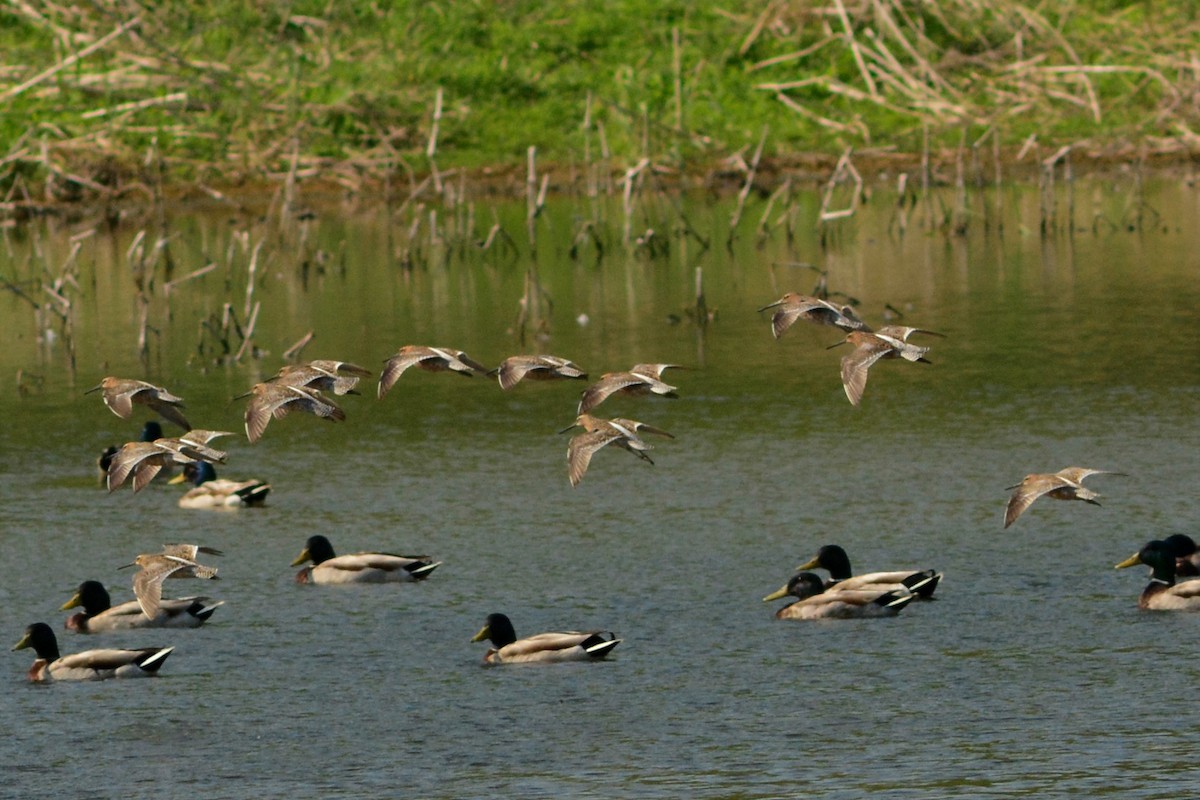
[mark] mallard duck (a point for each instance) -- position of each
(536, 368)
(90, 665)
(641, 379)
(121, 393)
(815, 603)
(869, 348)
(1163, 593)
(175, 561)
(99, 616)
(1187, 555)
(328, 568)
(545, 647)
(834, 560)
(430, 359)
(209, 492)
(1066, 484)
(793, 306)
(277, 400)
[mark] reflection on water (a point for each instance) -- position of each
(1031, 675)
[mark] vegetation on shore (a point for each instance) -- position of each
(119, 97)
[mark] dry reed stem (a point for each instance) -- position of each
(748, 185)
(71, 59)
(293, 352)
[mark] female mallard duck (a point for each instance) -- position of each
(1163, 593)
(834, 560)
(358, 567)
(545, 647)
(815, 603)
(100, 616)
(209, 492)
(90, 665)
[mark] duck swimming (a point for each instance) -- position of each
(211, 492)
(329, 568)
(100, 616)
(90, 665)
(834, 560)
(1163, 593)
(544, 648)
(813, 602)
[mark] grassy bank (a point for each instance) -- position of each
(115, 97)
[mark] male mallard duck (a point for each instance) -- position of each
(90, 665)
(1066, 484)
(209, 492)
(175, 561)
(833, 559)
(545, 647)
(121, 393)
(99, 616)
(1163, 593)
(1187, 555)
(816, 603)
(358, 567)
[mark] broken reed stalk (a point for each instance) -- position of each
(71, 59)
(747, 186)
(677, 76)
(251, 273)
(535, 199)
(249, 333)
(293, 352)
(1049, 195)
(431, 149)
(590, 178)
(627, 197)
(959, 223)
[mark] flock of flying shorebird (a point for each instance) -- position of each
(301, 387)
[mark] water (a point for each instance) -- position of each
(1033, 674)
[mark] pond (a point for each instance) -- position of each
(1034, 673)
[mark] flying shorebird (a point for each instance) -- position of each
(339, 377)
(593, 423)
(175, 561)
(581, 448)
(144, 460)
(869, 348)
(121, 393)
(639, 380)
(277, 400)
(536, 368)
(430, 359)
(1066, 484)
(902, 332)
(793, 306)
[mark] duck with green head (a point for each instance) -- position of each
(813, 602)
(210, 492)
(100, 616)
(90, 665)
(330, 568)
(1163, 593)
(834, 560)
(546, 648)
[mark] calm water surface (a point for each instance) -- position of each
(1033, 675)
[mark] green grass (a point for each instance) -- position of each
(352, 84)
